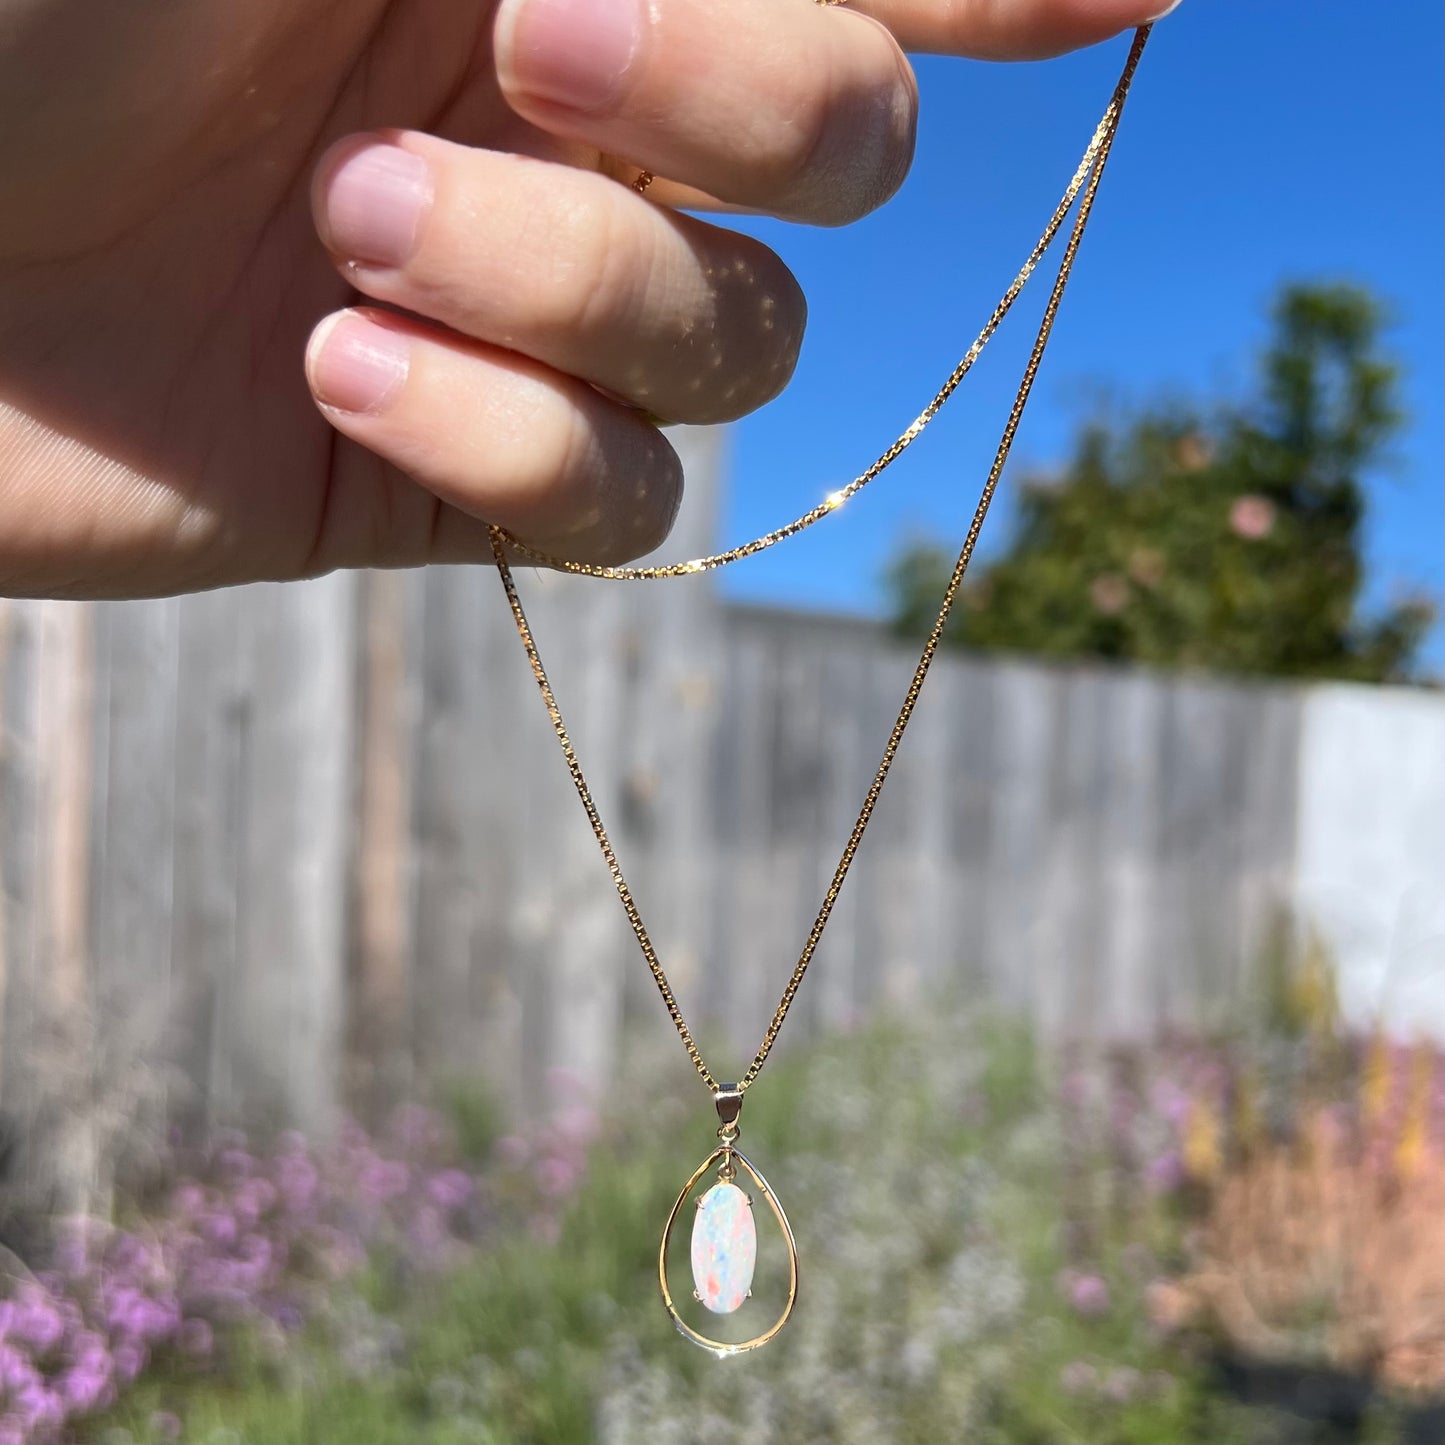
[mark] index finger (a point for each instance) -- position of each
(1008, 29)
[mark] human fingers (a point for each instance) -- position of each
(690, 322)
(497, 435)
(1009, 29)
(801, 110)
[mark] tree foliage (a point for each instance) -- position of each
(1228, 540)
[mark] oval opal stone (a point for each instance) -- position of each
(724, 1248)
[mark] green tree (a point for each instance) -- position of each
(1229, 542)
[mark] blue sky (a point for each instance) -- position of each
(1263, 141)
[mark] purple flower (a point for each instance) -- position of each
(131, 1255)
(39, 1409)
(236, 1163)
(449, 1189)
(157, 1319)
(297, 1179)
(417, 1129)
(85, 1388)
(188, 1200)
(1078, 1376)
(556, 1177)
(17, 1371)
(1086, 1293)
(12, 1432)
(384, 1179)
(1164, 1173)
(35, 1321)
(219, 1226)
(130, 1358)
(252, 1199)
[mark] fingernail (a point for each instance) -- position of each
(375, 203)
(1167, 8)
(355, 365)
(570, 52)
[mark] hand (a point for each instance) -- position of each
(166, 170)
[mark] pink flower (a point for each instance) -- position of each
(86, 1387)
(219, 1226)
(449, 1189)
(236, 1163)
(417, 1129)
(1086, 1293)
(16, 1370)
(512, 1150)
(1109, 593)
(384, 1179)
(40, 1410)
(253, 1199)
(556, 1177)
(1164, 1173)
(297, 1179)
(188, 1200)
(577, 1124)
(130, 1359)
(1078, 1376)
(1251, 517)
(36, 1321)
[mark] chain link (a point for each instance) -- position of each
(1084, 187)
(901, 443)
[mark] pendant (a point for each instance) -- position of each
(725, 1236)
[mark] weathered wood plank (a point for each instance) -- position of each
(209, 807)
(132, 832)
(284, 1031)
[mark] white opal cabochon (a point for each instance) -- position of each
(724, 1248)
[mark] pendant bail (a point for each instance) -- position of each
(729, 1102)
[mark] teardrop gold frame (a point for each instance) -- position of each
(717, 1347)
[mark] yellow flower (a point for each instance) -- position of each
(1410, 1147)
(1246, 1111)
(1203, 1152)
(1375, 1079)
(1313, 998)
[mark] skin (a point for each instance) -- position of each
(185, 281)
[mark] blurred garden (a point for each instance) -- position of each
(1226, 1238)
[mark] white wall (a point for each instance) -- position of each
(1370, 859)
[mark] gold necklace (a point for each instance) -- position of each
(724, 1237)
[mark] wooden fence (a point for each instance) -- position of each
(276, 850)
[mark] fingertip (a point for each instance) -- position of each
(356, 365)
(574, 54)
